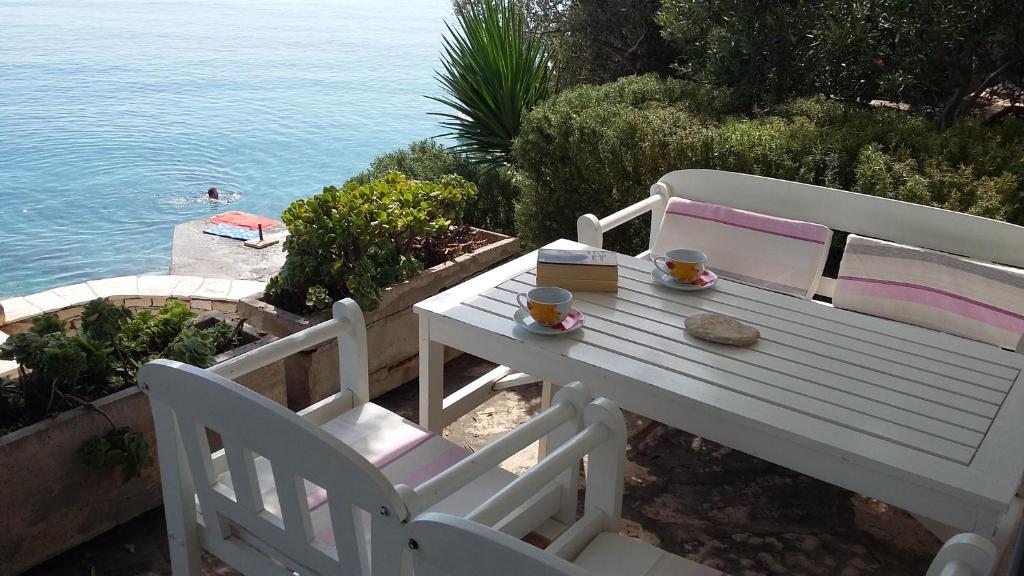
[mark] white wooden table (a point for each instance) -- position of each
(925, 421)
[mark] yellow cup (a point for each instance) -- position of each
(548, 306)
(682, 265)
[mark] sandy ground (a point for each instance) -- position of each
(688, 495)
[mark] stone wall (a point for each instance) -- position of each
(135, 292)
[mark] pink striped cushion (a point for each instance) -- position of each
(774, 253)
(932, 289)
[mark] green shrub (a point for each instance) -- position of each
(421, 160)
(597, 149)
(60, 371)
(494, 205)
(583, 151)
(355, 240)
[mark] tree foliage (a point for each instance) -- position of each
(937, 56)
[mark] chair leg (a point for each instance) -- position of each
(179, 496)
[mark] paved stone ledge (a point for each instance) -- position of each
(135, 292)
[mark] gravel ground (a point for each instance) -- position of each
(690, 496)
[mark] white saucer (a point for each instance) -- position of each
(572, 323)
(708, 279)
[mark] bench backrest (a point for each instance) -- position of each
(923, 226)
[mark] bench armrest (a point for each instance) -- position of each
(590, 229)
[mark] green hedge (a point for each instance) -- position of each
(492, 209)
(597, 149)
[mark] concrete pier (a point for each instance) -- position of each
(196, 254)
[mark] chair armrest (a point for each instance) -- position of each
(964, 555)
(590, 229)
(567, 409)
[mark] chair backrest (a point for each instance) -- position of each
(843, 211)
(444, 545)
(486, 540)
(187, 401)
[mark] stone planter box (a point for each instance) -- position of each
(51, 501)
(392, 329)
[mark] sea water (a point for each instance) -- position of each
(116, 116)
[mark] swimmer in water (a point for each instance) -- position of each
(213, 194)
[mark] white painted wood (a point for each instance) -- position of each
(431, 380)
(882, 218)
(492, 455)
(514, 380)
(467, 398)
(353, 359)
(920, 419)
(256, 496)
(964, 555)
(943, 230)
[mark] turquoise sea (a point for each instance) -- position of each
(117, 115)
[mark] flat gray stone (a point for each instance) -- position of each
(721, 329)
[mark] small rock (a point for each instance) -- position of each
(740, 537)
(747, 563)
(777, 569)
(755, 541)
(850, 571)
(809, 543)
(773, 542)
(721, 329)
(766, 559)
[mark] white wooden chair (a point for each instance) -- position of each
(296, 493)
(445, 545)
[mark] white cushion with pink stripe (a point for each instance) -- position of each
(774, 253)
(403, 451)
(935, 290)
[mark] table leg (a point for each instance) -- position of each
(547, 392)
(431, 380)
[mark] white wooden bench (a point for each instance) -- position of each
(922, 226)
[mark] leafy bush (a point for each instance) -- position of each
(597, 149)
(494, 70)
(355, 240)
(936, 56)
(494, 205)
(59, 371)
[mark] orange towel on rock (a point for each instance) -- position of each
(244, 219)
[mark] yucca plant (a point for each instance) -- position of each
(494, 71)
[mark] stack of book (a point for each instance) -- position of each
(587, 270)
